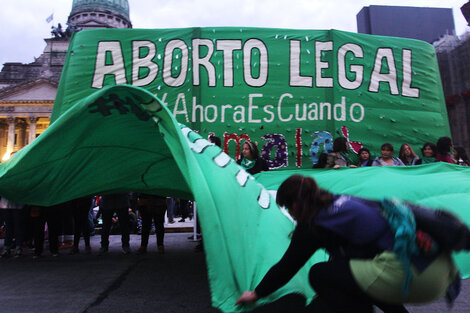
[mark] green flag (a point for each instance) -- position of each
(122, 138)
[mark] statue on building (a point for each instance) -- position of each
(57, 32)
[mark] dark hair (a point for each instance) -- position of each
(461, 153)
(339, 144)
(443, 145)
(215, 140)
(430, 145)
(361, 150)
(253, 149)
(303, 198)
(387, 146)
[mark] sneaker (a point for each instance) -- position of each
(55, 254)
(5, 253)
(126, 250)
(142, 250)
(103, 250)
(171, 222)
(161, 249)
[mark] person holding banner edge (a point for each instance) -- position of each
(364, 268)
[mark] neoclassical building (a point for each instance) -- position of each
(27, 91)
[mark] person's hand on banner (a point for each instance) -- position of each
(247, 297)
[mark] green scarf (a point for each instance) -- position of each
(247, 164)
(427, 160)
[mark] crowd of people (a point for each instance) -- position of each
(27, 226)
(24, 225)
(430, 152)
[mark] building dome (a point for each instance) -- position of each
(88, 14)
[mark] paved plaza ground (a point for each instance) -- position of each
(170, 283)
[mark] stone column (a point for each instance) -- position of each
(22, 125)
(32, 128)
(11, 134)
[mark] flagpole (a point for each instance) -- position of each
(195, 221)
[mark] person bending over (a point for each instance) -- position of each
(363, 269)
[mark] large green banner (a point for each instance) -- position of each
(291, 91)
(101, 146)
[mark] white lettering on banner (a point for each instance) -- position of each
(376, 77)
(239, 115)
(295, 79)
(279, 108)
(406, 89)
(194, 111)
(213, 113)
(250, 45)
(358, 70)
(351, 112)
(205, 61)
(171, 46)
(116, 68)
(251, 107)
(184, 111)
(268, 110)
(225, 106)
(205, 64)
(144, 62)
(228, 46)
(320, 64)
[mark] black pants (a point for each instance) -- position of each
(13, 228)
(157, 213)
(81, 226)
(51, 216)
(335, 285)
(123, 216)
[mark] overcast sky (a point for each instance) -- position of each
(23, 23)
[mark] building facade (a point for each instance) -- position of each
(28, 91)
(453, 55)
(427, 24)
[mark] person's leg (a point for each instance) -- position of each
(76, 229)
(68, 226)
(107, 216)
(27, 225)
(123, 216)
(8, 241)
(146, 225)
(159, 218)
(91, 223)
(53, 219)
(171, 210)
(18, 230)
(335, 285)
(84, 227)
(39, 223)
